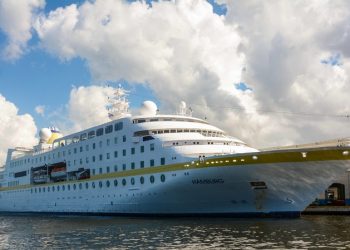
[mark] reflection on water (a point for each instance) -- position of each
(71, 232)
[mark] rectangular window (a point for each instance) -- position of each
(118, 126)
(151, 146)
(124, 138)
(132, 151)
(83, 137)
(162, 161)
(142, 149)
(115, 140)
(81, 149)
(124, 152)
(99, 132)
(107, 170)
(100, 170)
(87, 148)
(101, 157)
(91, 134)
(107, 142)
(93, 159)
(142, 164)
(151, 163)
(87, 159)
(109, 129)
(124, 166)
(93, 172)
(93, 145)
(115, 168)
(108, 156)
(115, 154)
(75, 150)
(133, 165)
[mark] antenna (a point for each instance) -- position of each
(118, 106)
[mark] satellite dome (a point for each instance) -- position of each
(45, 134)
(148, 108)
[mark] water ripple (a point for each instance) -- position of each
(64, 232)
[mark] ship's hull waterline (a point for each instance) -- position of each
(252, 184)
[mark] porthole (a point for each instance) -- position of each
(53, 189)
(151, 179)
(132, 181)
(74, 186)
(100, 184)
(108, 183)
(115, 183)
(63, 188)
(93, 185)
(68, 186)
(124, 182)
(86, 185)
(39, 190)
(58, 188)
(48, 189)
(80, 185)
(162, 178)
(142, 180)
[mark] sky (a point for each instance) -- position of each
(272, 72)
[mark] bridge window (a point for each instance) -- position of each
(99, 132)
(91, 134)
(109, 129)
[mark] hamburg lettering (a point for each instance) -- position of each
(208, 181)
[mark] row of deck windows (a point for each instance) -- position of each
(91, 134)
(100, 184)
(87, 147)
(207, 133)
(132, 166)
(167, 119)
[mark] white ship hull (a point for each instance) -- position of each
(215, 187)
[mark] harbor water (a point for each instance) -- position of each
(74, 232)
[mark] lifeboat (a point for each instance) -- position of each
(58, 172)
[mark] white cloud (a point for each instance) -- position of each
(87, 106)
(185, 52)
(15, 130)
(16, 19)
(40, 110)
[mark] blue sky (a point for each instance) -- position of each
(38, 78)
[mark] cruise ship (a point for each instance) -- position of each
(153, 164)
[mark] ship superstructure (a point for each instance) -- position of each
(153, 164)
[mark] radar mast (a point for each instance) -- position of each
(118, 106)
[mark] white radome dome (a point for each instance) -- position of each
(148, 108)
(45, 134)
